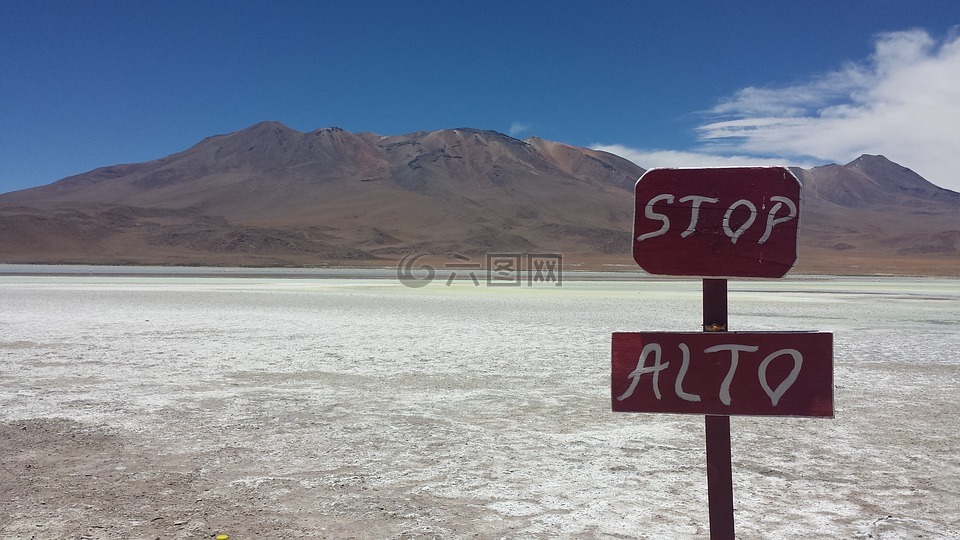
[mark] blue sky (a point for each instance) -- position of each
(665, 83)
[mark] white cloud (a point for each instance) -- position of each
(518, 128)
(902, 102)
(649, 159)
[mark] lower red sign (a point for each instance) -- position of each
(723, 373)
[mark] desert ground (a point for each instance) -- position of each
(352, 406)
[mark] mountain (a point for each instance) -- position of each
(272, 196)
(872, 215)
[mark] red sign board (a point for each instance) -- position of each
(717, 222)
(723, 373)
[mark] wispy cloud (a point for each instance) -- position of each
(518, 128)
(903, 101)
(678, 158)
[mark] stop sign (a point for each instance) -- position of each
(717, 222)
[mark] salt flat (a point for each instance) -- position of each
(143, 406)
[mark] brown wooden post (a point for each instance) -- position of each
(719, 465)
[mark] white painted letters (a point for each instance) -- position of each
(735, 350)
(775, 395)
(642, 368)
(658, 365)
(684, 366)
(733, 233)
(650, 214)
(772, 220)
(694, 211)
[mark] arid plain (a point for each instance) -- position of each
(150, 407)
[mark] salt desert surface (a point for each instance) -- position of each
(145, 407)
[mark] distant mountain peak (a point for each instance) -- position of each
(878, 164)
(331, 129)
(874, 161)
(266, 125)
(870, 158)
(484, 132)
(269, 194)
(874, 180)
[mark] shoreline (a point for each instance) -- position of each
(390, 272)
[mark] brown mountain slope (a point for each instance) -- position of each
(872, 215)
(269, 195)
(872, 181)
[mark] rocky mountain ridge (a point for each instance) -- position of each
(272, 196)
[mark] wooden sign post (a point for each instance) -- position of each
(717, 428)
(719, 223)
